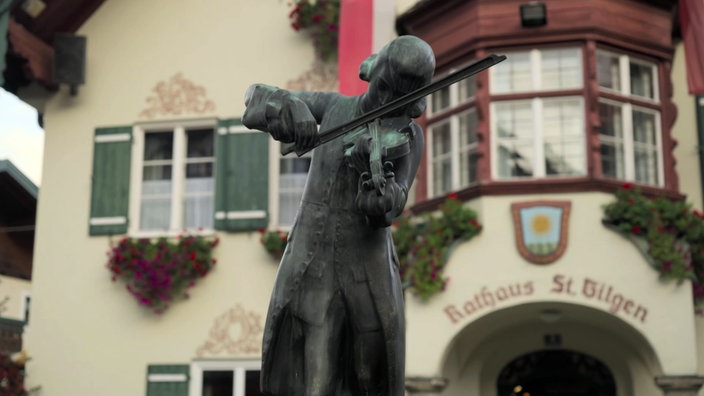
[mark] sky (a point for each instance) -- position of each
(21, 138)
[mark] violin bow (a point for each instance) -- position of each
(331, 134)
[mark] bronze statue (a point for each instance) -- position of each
(335, 324)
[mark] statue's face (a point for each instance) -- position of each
(383, 87)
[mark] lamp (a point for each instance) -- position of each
(533, 14)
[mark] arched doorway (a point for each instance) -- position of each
(555, 373)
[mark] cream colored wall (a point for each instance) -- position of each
(88, 335)
(685, 132)
(491, 261)
(14, 289)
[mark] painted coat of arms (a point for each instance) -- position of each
(541, 229)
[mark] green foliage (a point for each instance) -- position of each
(423, 245)
(274, 242)
(673, 230)
(158, 271)
(321, 19)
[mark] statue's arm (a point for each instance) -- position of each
(287, 116)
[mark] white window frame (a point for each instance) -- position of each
(624, 67)
(629, 166)
(177, 177)
(538, 140)
(536, 62)
(239, 367)
(455, 153)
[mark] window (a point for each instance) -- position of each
(293, 173)
(160, 179)
(452, 137)
(535, 135)
(176, 185)
(225, 378)
(538, 70)
(630, 134)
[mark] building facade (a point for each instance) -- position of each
(545, 300)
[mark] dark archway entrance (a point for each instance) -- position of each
(556, 373)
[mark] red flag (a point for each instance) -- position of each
(692, 25)
(365, 26)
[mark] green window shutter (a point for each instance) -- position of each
(242, 177)
(110, 197)
(167, 380)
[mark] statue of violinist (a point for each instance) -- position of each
(335, 324)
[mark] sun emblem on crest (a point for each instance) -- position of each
(541, 229)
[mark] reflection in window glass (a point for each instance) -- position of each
(642, 80)
(608, 70)
(563, 137)
(561, 68)
(514, 122)
(513, 74)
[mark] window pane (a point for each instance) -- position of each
(200, 143)
(607, 70)
(468, 168)
(466, 89)
(440, 100)
(442, 140)
(646, 166)
(561, 68)
(155, 208)
(514, 121)
(515, 159)
(642, 79)
(644, 127)
(563, 137)
(612, 162)
(218, 383)
(513, 74)
(611, 120)
(158, 146)
(252, 384)
(293, 173)
(468, 128)
(198, 203)
(442, 176)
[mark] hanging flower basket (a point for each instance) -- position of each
(424, 244)
(321, 19)
(157, 272)
(274, 242)
(669, 233)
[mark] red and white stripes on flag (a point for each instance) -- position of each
(365, 27)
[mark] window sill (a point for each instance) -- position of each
(541, 186)
(171, 233)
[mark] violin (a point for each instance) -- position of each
(388, 139)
